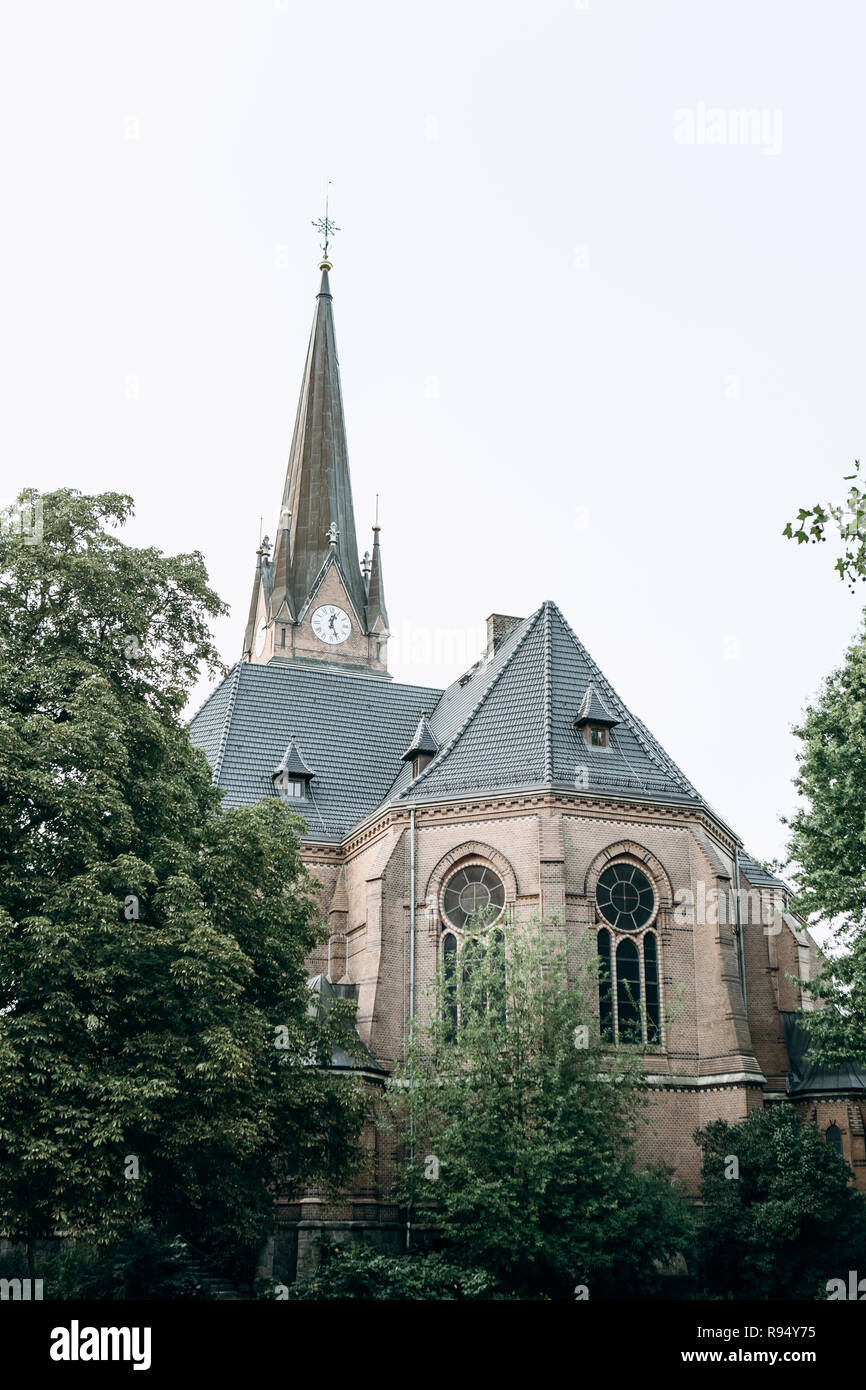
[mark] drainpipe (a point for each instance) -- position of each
(740, 951)
(411, 1007)
(411, 917)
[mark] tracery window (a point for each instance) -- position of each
(625, 897)
(475, 891)
(466, 989)
(629, 993)
(473, 950)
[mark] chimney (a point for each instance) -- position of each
(498, 628)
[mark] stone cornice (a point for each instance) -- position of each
(505, 805)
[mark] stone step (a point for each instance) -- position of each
(215, 1285)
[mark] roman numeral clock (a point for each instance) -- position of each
(331, 624)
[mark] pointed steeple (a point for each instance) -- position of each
(250, 633)
(377, 614)
(281, 594)
(317, 497)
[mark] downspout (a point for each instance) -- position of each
(411, 1009)
(740, 951)
(411, 917)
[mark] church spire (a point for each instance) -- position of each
(281, 603)
(250, 633)
(377, 614)
(317, 498)
(314, 602)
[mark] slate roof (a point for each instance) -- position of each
(758, 877)
(325, 994)
(805, 1075)
(508, 724)
(511, 725)
(352, 729)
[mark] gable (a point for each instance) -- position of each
(514, 726)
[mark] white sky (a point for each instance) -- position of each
(581, 360)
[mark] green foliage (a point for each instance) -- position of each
(140, 1265)
(789, 1222)
(518, 1128)
(849, 519)
(151, 944)
(827, 849)
(827, 834)
(356, 1271)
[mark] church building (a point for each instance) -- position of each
(527, 788)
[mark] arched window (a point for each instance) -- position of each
(496, 975)
(651, 989)
(625, 897)
(474, 978)
(605, 987)
(472, 1000)
(449, 967)
(473, 895)
(834, 1139)
(628, 992)
(629, 968)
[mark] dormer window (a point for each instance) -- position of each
(594, 720)
(291, 777)
(423, 748)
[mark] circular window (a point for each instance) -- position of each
(475, 891)
(625, 897)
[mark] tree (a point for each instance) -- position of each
(827, 833)
(519, 1127)
(357, 1272)
(780, 1216)
(158, 1054)
(827, 847)
(849, 519)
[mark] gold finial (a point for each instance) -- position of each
(326, 227)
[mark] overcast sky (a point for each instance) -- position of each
(589, 352)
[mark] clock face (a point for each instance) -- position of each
(331, 624)
(261, 634)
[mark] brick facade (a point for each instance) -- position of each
(721, 1057)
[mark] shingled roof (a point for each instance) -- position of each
(352, 729)
(511, 725)
(757, 876)
(805, 1075)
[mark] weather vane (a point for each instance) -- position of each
(325, 226)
